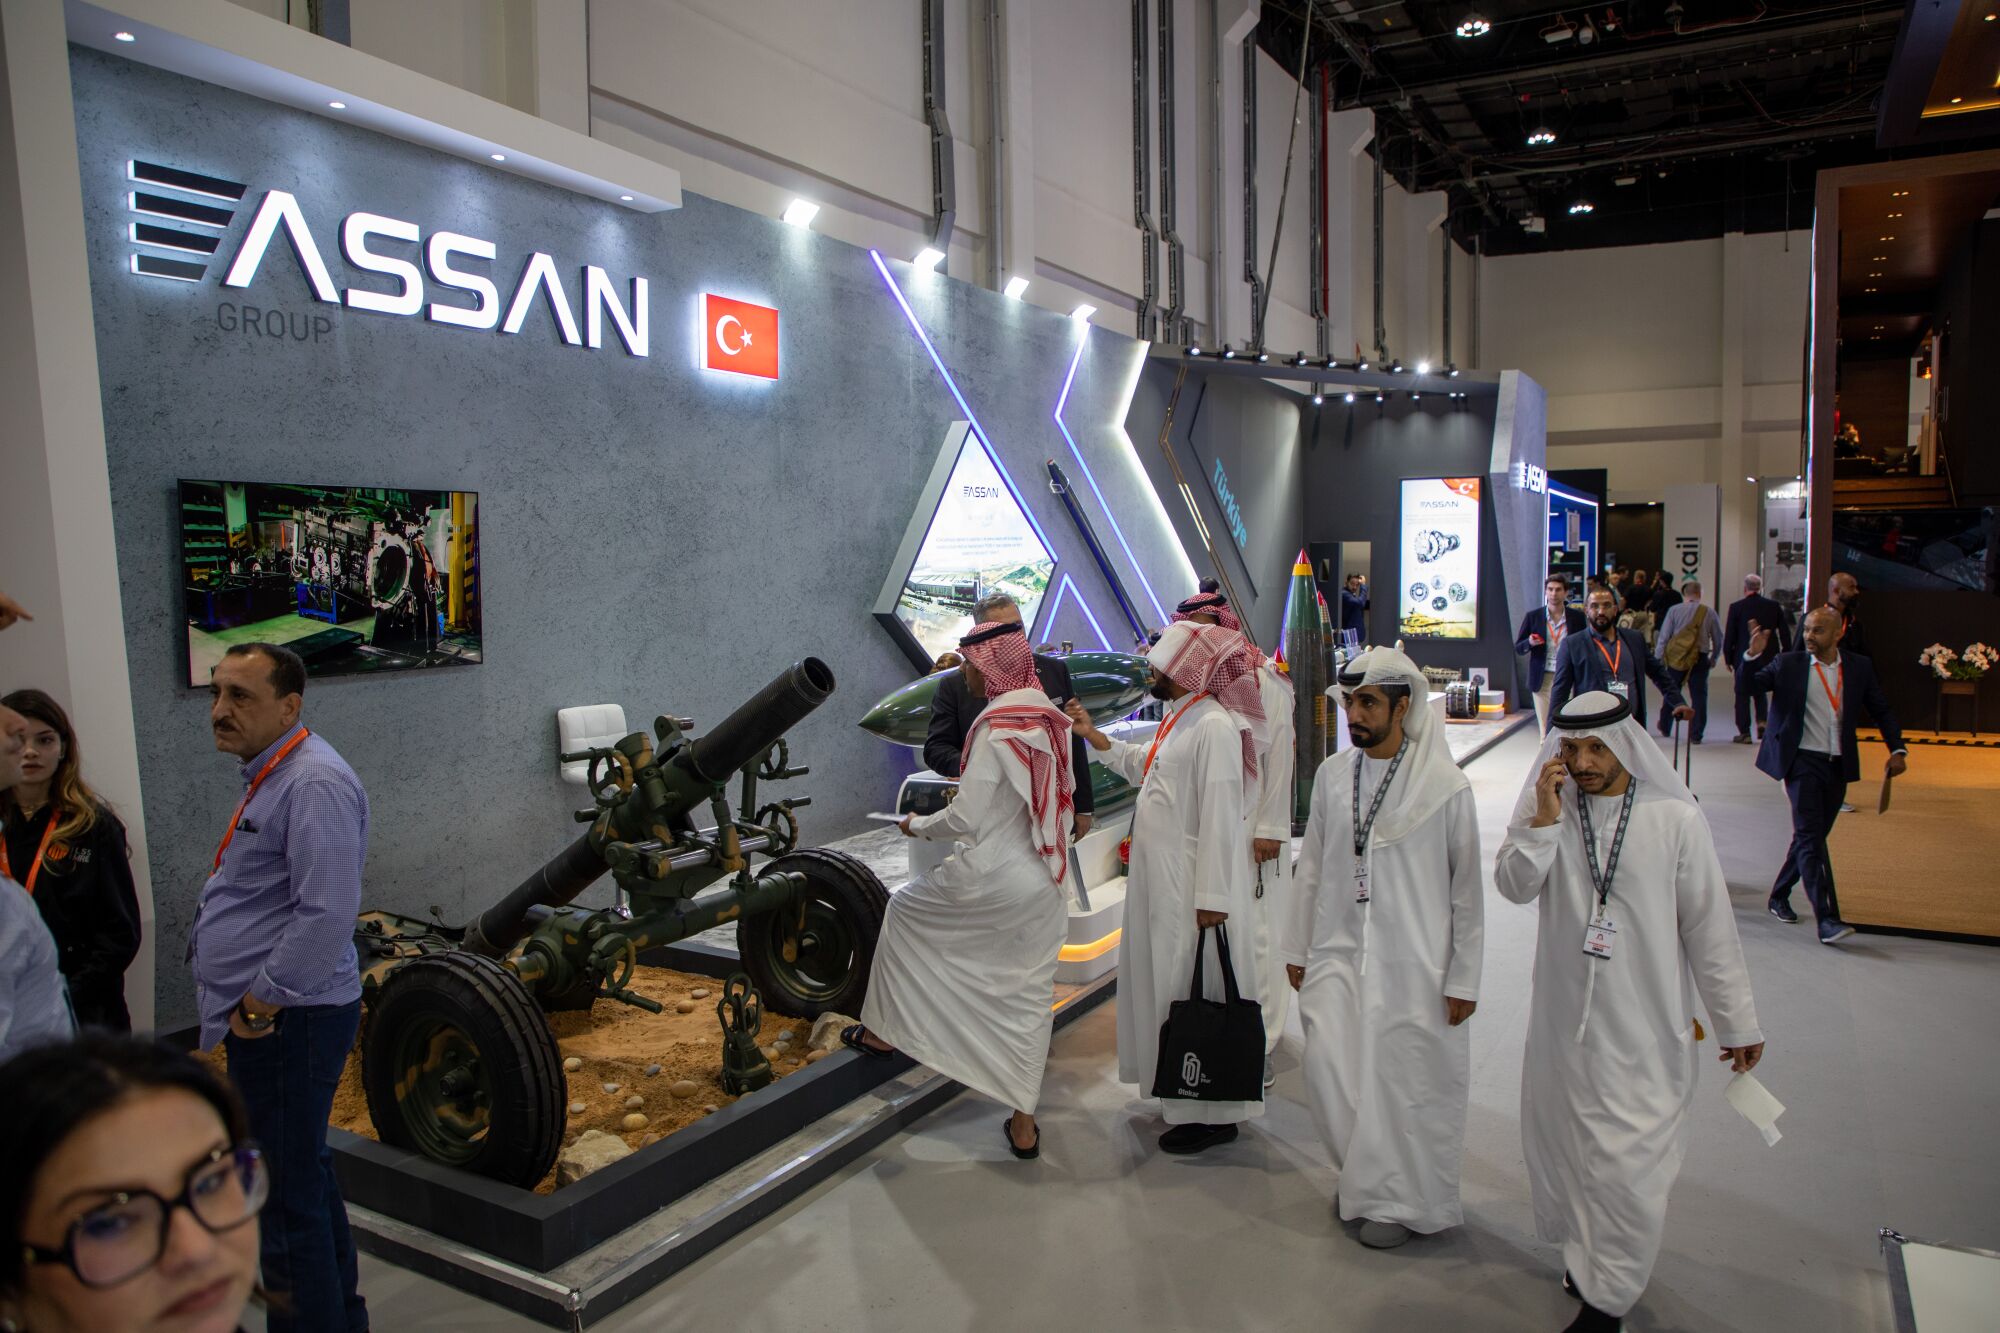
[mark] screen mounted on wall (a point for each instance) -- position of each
(970, 538)
(1439, 571)
(352, 579)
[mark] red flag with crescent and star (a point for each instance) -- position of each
(739, 337)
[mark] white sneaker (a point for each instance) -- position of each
(1270, 1073)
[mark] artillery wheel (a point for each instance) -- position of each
(460, 1065)
(845, 904)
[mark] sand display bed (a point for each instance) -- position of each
(617, 1044)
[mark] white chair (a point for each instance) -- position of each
(581, 728)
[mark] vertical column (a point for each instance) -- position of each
(1229, 296)
(1017, 140)
(57, 546)
(1732, 462)
(560, 57)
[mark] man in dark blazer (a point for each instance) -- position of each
(1810, 746)
(1750, 613)
(1611, 659)
(1843, 594)
(954, 709)
(1536, 641)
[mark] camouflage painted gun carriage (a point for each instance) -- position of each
(457, 1060)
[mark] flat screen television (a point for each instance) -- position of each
(351, 578)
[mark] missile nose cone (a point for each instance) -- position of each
(1302, 567)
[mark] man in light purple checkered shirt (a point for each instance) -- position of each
(274, 967)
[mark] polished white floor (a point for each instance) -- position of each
(1886, 1051)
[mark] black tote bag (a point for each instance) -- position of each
(1212, 1051)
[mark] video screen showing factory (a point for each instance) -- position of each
(352, 579)
(979, 542)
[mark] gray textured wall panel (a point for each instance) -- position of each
(652, 535)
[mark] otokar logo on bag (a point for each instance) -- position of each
(1191, 1071)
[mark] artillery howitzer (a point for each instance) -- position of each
(456, 1061)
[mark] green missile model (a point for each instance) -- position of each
(1307, 659)
(1109, 685)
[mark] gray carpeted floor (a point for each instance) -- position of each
(1885, 1051)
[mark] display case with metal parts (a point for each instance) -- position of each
(458, 1062)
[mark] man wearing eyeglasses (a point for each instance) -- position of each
(34, 1004)
(274, 966)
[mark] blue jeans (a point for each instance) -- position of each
(288, 1080)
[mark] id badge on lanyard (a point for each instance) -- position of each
(1361, 878)
(1600, 933)
(1619, 688)
(1363, 826)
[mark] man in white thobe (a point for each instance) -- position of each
(964, 974)
(1189, 854)
(1384, 945)
(1635, 920)
(1267, 819)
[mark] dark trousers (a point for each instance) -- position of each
(288, 1080)
(1816, 786)
(1694, 688)
(1744, 702)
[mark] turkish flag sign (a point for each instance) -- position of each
(739, 337)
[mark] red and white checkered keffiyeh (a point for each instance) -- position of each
(1208, 659)
(1031, 734)
(1212, 602)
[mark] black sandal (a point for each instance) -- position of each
(851, 1036)
(1027, 1154)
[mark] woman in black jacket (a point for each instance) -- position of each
(63, 844)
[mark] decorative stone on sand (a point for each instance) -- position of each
(611, 1087)
(708, 1110)
(826, 1031)
(687, 1087)
(574, 1063)
(577, 1108)
(652, 1070)
(634, 1102)
(814, 1057)
(649, 1140)
(592, 1151)
(634, 1121)
(697, 995)
(684, 1007)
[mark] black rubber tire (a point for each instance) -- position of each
(497, 1017)
(839, 888)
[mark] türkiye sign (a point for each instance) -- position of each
(190, 214)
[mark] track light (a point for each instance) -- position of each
(1472, 25)
(1542, 137)
(1452, 371)
(1192, 350)
(1318, 398)
(1348, 396)
(1380, 396)
(1414, 395)
(928, 259)
(1262, 357)
(1301, 359)
(1331, 363)
(124, 37)
(1016, 288)
(1396, 366)
(1582, 206)
(800, 212)
(1423, 367)
(1362, 364)
(1229, 354)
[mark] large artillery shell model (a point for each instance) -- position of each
(1108, 685)
(458, 1062)
(1307, 652)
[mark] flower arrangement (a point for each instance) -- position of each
(1974, 662)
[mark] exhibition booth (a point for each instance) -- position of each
(494, 425)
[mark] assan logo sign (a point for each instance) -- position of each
(181, 221)
(739, 337)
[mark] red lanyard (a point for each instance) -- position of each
(1833, 695)
(35, 870)
(255, 783)
(1609, 660)
(1161, 734)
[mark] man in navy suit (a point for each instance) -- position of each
(1754, 611)
(1611, 659)
(1543, 631)
(1810, 747)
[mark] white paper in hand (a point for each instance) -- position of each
(1754, 1102)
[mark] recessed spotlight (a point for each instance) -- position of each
(1472, 25)
(801, 212)
(1987, 19)
(498, 157)
(1347, 397)
(1414, 395)
(1881, 326)
(928, 258)
(1895, 215)
(123, 37)
(1888, 238)
(338, 106)
(1379, 395)
(1956, 100)
(1899, 194)
(1876, 274)
(624, 198)
(1083, 313)
(1868, 289)
(1582, 206)
(1016, 288)
(1318, 398)
(1423, 367)
(1541, 138)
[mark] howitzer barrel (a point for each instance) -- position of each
(757, 725)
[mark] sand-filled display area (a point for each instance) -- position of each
(632, 1074)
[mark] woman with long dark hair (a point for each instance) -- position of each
(129, 1192)
(62, 843)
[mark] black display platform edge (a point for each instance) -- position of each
(540, 1231)
(548, 1301)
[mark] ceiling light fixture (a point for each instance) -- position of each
(1193, 349)
(1318, 398)
(928, 258)
(801, 212)
(1348, 396)
(123, 37)
(1229, 354)
(1423, 367)
(1895, 215)
(624, 198)
(498, 157)
(1582, 206)
(1888, 238)
(1362, 364)
(1472, 25)
(1956, 100)
(1262, 357)
(1899, 194)
(1016, 288)
(338, 106)
(1083, 313)
(1542, 137)
(1867, 289)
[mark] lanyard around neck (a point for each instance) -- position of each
(1160, 735)
(1835, 692)
(1609, 660)
(229, 833)
(34, 868)
(1362, 828)
(1600, 880)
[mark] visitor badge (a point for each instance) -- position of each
(1360, 881)
(1619, 688)
(1598, 937)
